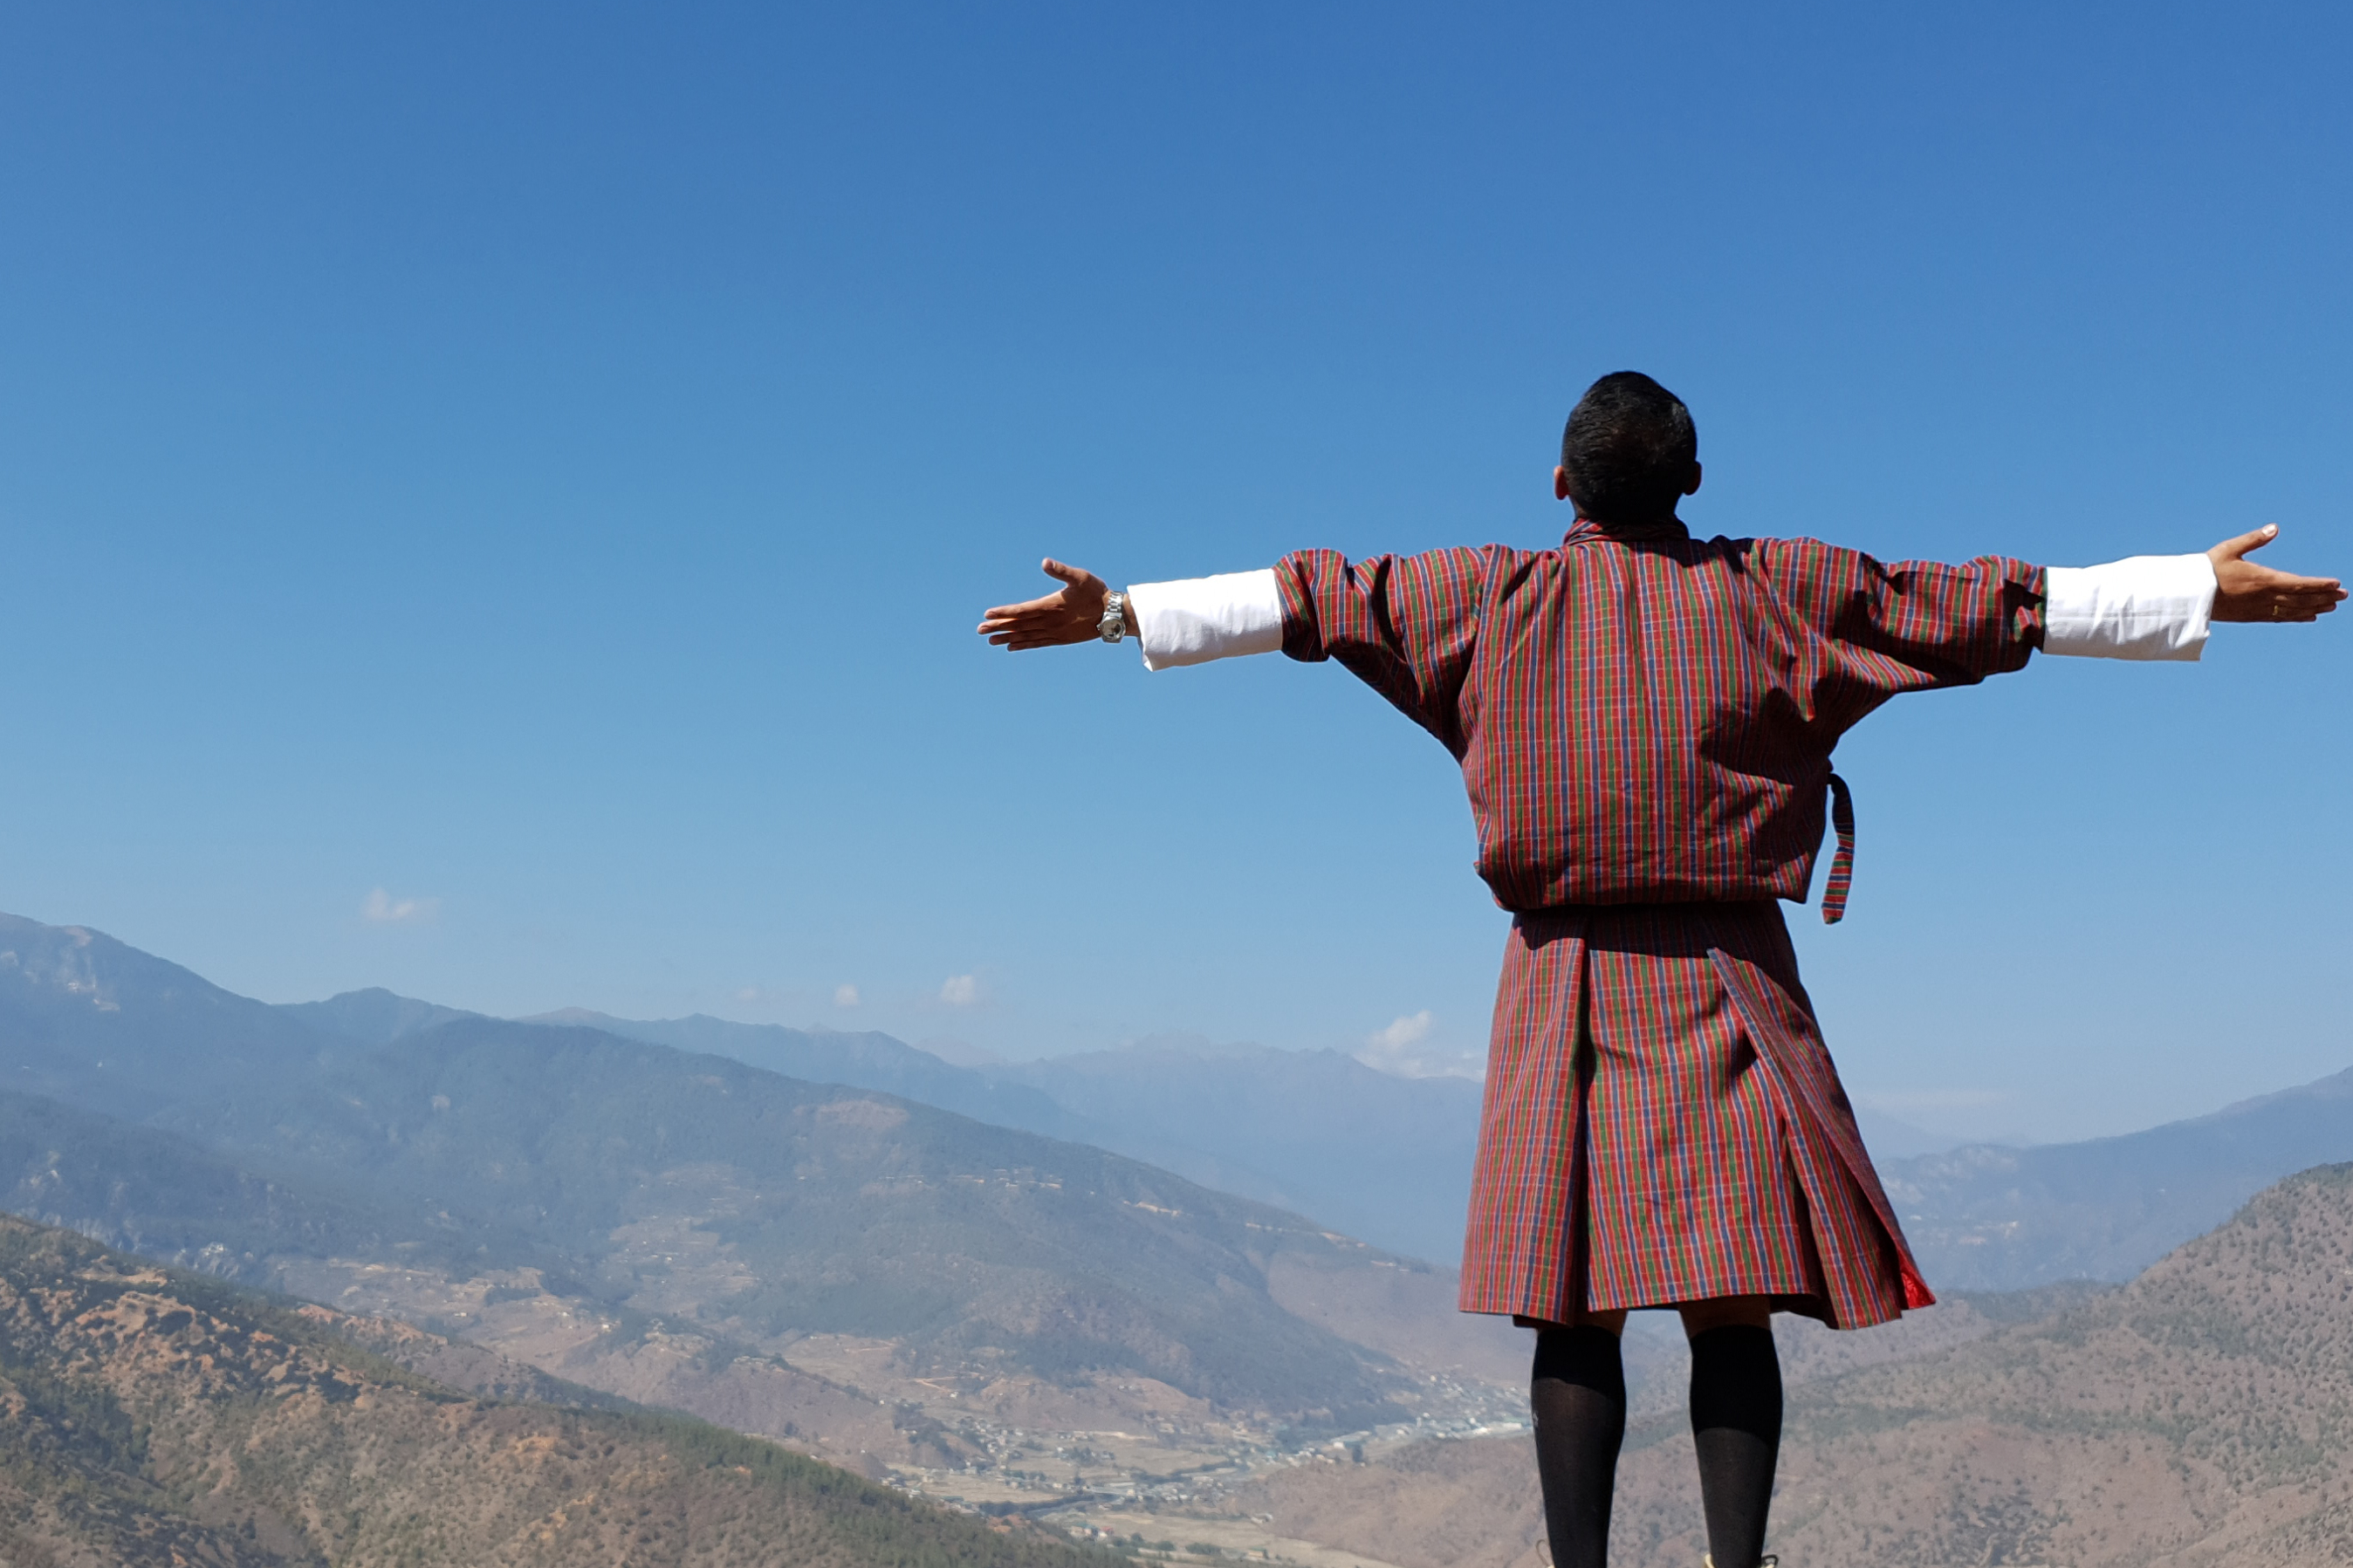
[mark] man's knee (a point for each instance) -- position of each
(1726, 1311)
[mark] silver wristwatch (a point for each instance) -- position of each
(1113, 625)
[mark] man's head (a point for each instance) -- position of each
(1630, 452)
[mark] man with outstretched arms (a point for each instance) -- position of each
(1644, 722)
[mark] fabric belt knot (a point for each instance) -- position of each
(1842, 863)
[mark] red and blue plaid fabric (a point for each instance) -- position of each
(1650, 719)
(1645, 723)
(1841, 876)
(1663, 1124)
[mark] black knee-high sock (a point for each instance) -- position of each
(1736, 1416)
(1579, 1397)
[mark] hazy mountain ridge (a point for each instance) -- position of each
(860, 1060)
(1317, 1133)
(83, 1013)
(1991, 1218)
(375, 1016)
(155, 1418)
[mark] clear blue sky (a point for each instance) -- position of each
(541, 464)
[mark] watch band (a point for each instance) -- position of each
(1113, 625)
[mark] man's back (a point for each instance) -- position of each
(1647, 718)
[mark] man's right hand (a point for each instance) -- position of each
(1072, 614)
(2246, 592)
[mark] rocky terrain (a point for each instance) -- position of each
(151, 1417)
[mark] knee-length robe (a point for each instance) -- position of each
(1645, 723)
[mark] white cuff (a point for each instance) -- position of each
(2148, 607)
(1202, 618)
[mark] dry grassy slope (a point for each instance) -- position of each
(469, 1368)
(2199, 1416)
(151, 1417)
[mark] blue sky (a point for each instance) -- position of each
(495, 498)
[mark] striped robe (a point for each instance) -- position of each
(1645, 723)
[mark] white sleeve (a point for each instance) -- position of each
(2148, 607)
(1202, 618)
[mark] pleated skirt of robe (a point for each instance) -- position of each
(1663, 1124)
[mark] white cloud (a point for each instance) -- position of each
(748, 994)
(382, 909)
(845, 996)
(1403, 1048)
(961, 991)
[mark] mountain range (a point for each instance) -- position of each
(1318, 1132)
(685, 1227)
(1988, 1217)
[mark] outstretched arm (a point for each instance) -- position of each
(1189, 622)
(1405, 624)
(2160, 606)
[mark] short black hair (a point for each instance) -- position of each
(1629, 449)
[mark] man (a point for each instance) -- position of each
(1645, 723)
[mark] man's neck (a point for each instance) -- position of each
(1661, 525)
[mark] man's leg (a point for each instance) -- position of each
(1736, 1416)
(1577, 1394)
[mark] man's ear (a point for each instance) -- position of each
(1691, 486)
(1560, 484)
